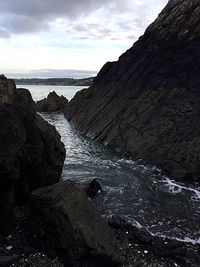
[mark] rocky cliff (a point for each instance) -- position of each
(147, 103)
(31, 153)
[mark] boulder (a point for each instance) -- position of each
(52, 103)
(65, 223)
(91, 187)
(31, 152)
(147, 103)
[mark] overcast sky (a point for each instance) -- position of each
(57, 35)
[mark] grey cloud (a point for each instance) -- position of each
(29, 15)
(25, 16)
(131, 37)
(21, 24)
(86, 31)
(4, 33)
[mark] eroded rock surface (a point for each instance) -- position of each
(66, 223)
(31, 153)
(147, 103)
(52, 103)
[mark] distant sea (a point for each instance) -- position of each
(39, 92)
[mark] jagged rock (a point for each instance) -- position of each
(52, 103)
(67, 224)
(147, 103)
(31, 153)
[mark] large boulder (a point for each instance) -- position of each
(31, 153)
(147, 103)
(52, 103)
(65, 223)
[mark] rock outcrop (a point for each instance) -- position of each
(147, 103)
(66, 223)
(52, 103)
(31, 153)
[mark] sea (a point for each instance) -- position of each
(132, 189)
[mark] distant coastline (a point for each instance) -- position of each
(56, 81)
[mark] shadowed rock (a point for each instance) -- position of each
(67, 224)
(147, 103)
(31, 153)
(52, 103)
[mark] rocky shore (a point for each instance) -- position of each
(146, 104)
(52, 103)
(39, 213)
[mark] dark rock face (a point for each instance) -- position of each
(52, 103)
(67, 224)
(147, 103)
(91, 187)
(31, 153)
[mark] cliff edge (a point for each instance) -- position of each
(147, 103)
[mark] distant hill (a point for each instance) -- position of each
(56, 81)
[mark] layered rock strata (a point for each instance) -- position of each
(147, 103)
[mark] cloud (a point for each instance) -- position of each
(26, 16)
(4, 33)
(70, 34)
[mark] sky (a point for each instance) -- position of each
(69, 38)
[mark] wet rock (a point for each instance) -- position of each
(147, 103)
(8, 260)
(31, 153)
(52, 103)
(134, 233)
(67, 224)
(92, 187)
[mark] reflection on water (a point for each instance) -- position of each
(130, 188)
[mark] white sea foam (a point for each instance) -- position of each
(185, 239)
(177, 188)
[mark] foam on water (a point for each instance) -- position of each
(176, 188)
(185, 239)
(131, 188)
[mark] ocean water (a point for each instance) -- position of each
(41, 91)
(132, 189)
